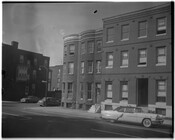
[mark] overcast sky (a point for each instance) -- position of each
(40, 27)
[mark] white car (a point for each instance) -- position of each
(132, 114)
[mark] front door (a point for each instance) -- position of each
(142, 92)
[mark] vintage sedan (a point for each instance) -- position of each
(29, 99)
(132, 114)
(49, 101)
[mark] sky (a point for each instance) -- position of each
(40, 27)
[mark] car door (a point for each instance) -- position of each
(128, 115)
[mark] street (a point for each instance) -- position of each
(24, 121)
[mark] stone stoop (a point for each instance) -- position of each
(95, 108)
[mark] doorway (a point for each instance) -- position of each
(142, 92)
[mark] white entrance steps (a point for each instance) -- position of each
(95, 108)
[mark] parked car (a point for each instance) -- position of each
(132, 114)
(49, 101)
(29, 99)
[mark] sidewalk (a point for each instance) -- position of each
(81, 113)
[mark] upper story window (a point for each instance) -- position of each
(99, 45)
(161, 56)
(125, 32)
(65, 50)
(90, 66)
(71, 49)
(142, 57)
(45, 63)
(109, 60)
(124, 59)
(70, 91)
(28, 62)
(161, 26)
(83, 49)
(98, 66)
(90, 46)
(142, 29)
(71, 68)
(35, 61)
(110, 35)
(82, 67)
(161, 91)
(109, 90)
(21, 59)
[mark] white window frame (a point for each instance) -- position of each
(109, 93)
(110, 35)
(158, 27)
(124, 58)
(161, 90)
(109, 60)
(70, 68)
(125, 32)
(161, 55)
(142, 29)
(139, 58)
(91, 46)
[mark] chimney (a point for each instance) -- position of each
(14, 44)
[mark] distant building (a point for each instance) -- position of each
(25, 72)
(56, 77)
(129, 62)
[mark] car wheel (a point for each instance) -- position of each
(147, 123)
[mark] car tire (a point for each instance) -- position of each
(147, 123)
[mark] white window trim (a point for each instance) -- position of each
(125, 39)
(161, 34)
(111, 41)
(142, 65)
(160, 64)
(140, 37)
(123, 66)
(109, 67)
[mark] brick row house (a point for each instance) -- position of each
(128, 62)
(24, 72)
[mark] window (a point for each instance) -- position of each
(81, 90)
(89, 91)
(90, 47)
(70, 90)
(161, 56)
(71, 68)
(142, 29)
(109, 63)
(124, 58)
(161, 91)
(142, 57)
(90, 66)
(45, 63)
(161, 26)
(83, 48)
(110, 35)
(161, 111)
(35, 61)
(34, 74)
(98, 68)
(21, 59)
(82, 67)
(125, 32)
(99, 45)
(98, 88)
(65, 50)
(109, 90)
(71, 49)
(124, 90)
(129, 110)
(28, 62)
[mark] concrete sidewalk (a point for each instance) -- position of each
(80, 113)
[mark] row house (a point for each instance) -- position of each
(128, 62)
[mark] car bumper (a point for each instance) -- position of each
(157, 121)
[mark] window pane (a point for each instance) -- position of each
(110, 34)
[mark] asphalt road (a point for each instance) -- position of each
(19, 122)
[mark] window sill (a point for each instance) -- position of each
(108, 67)
(141, 65)
(160, 64)
(89, 99)
(110, 41)
(125, 39)
(160, 34)
(140, 37)
(123, 66)
(161, 104)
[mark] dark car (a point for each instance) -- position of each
(49, 101)
(29, 99)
